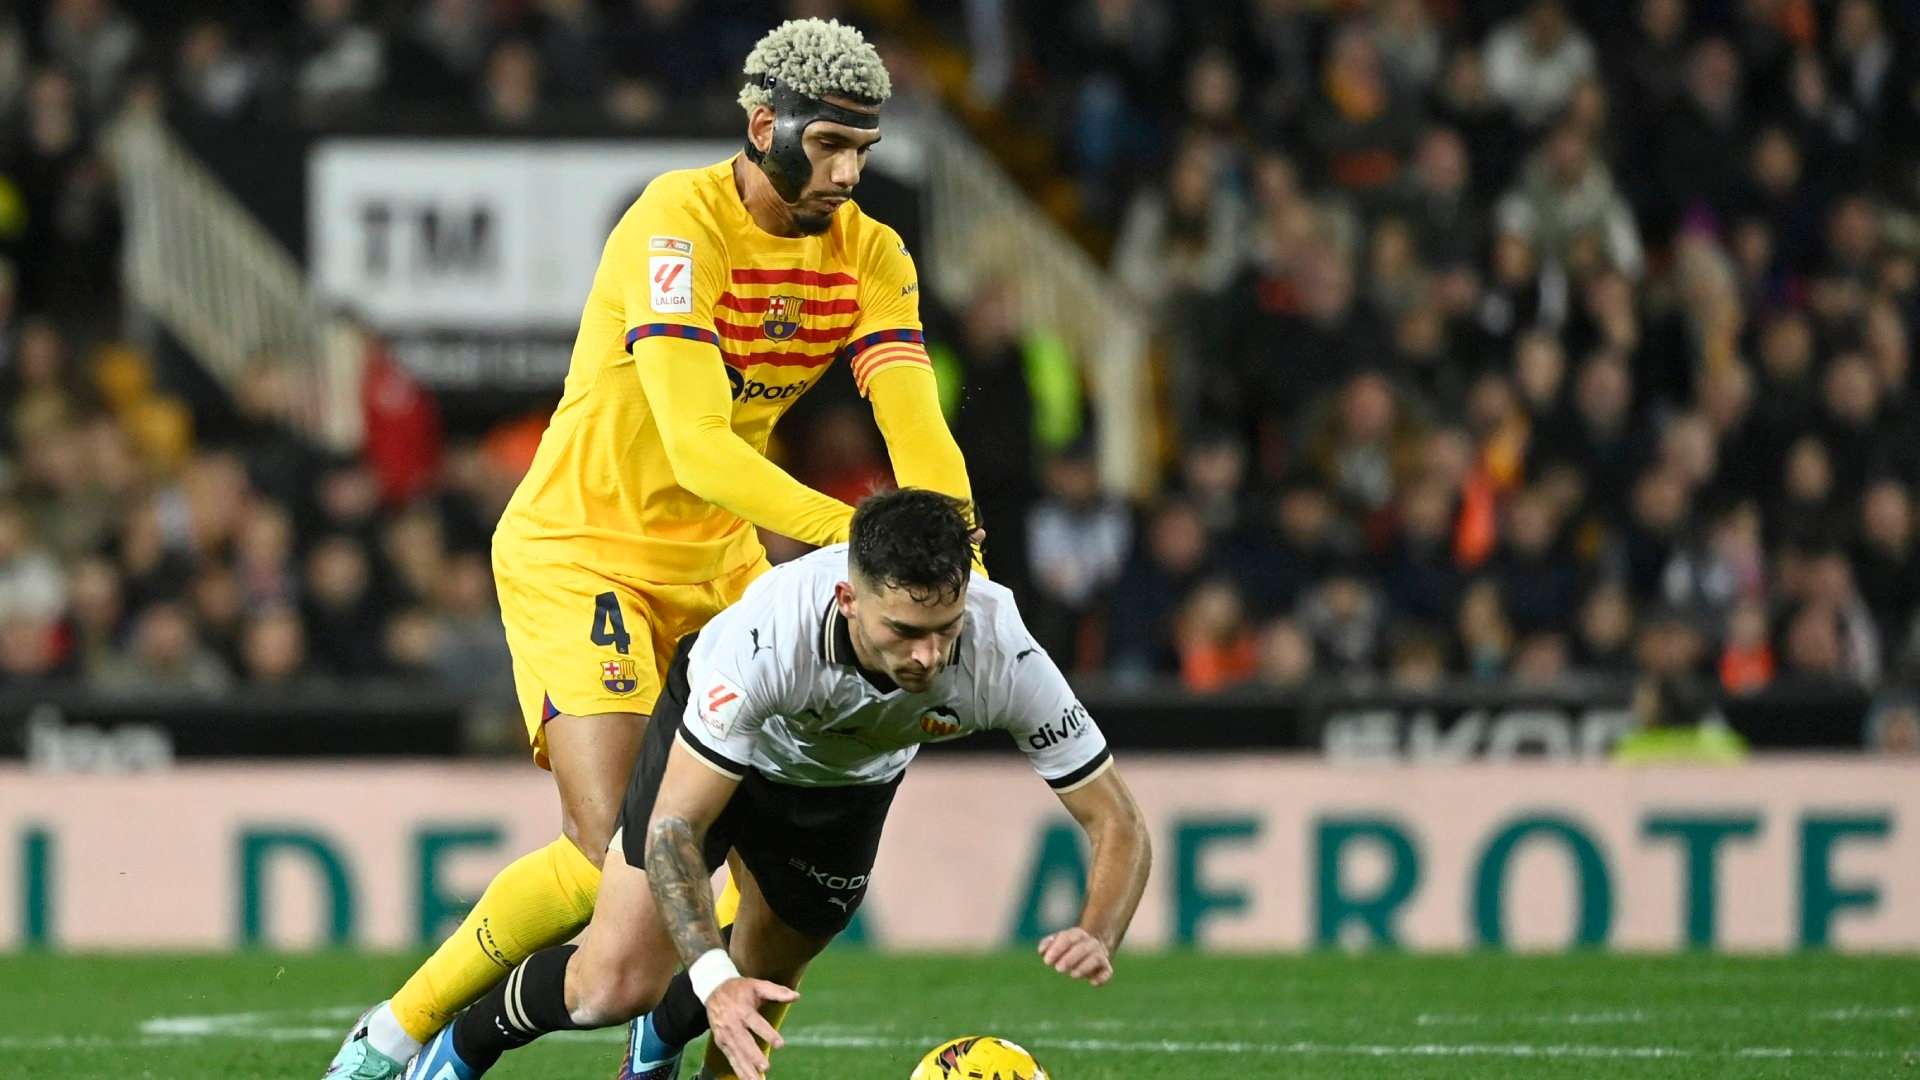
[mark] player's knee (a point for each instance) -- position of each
(589, 832)
(614, 995)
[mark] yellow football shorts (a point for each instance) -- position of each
(587, 642)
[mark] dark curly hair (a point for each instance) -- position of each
(914, 539)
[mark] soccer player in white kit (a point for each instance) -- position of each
(783, 732)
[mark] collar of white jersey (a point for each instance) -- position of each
(836, 647)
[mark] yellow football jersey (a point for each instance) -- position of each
(688, 266)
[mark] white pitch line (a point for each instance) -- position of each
(1866, 1012)
(273, 1027)
(1377, 1050)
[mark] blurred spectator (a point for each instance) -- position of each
(1417, 660)
(1409, 44)
(96, 616)
(1468, 105)
(281, 464)
(511, 87)
(165, 657)
(216, 80)
(1213, 473)
(845, 458)
(1601, 437)
(571, 37)
(1605, 641)
(1674, 724)
(273, 649)
(1657, 530)
(264, 558)
(1804, 509)
(1421, 580)
(1830, 588)
(1077, 543)
(473, 644)
(444, 47)
(1711, 573)
(1701, 139)
(1275, 565)
(1345, 618)
(1486, 637)
(1174, 558)
(1536, 579)
(1437, 200)
(219, 607)
(1540, 660)
(1893, 725)
(341, 61)
(33, 595)
(1286, 655)
(1217, 647)
(94, 40)
(341, 610)
(1886, 560)
(1183, 240)
(413, 551)
(1746, 660)
(1567, 202)
(1361, 126)
(1535, 61)
(1365, 443)
(1120, 51)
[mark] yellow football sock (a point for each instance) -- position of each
(727, 905)
(724, 910)
(542, 899)
(716, 1064)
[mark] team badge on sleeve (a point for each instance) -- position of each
(720, 705)
(618, 676)
(672, 279)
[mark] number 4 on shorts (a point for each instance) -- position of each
(608, 627)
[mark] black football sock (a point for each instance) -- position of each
(680, 1017)
(527, 1004)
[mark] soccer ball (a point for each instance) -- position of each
(978, 1057)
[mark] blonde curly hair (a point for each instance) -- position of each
(816, 57)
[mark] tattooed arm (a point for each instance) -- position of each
(692, 794)
(681, 886)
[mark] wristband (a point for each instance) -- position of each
(713, 968)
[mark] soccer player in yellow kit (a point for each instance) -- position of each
(723, 294)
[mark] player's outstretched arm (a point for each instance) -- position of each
(686, 385)
(692, 794)
(1122, 857)
(906, 408)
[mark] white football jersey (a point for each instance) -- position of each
(772, 686)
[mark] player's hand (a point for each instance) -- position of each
(733, 1009)
(1079, 954)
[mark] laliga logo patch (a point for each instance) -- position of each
(720, 706)
(783, 317)
(618, 676)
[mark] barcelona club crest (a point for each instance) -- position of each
(783, 317)
(618, 677)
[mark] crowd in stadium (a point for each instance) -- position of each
(1498, 340)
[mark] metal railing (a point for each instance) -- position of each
(982, 225)
(198, 262)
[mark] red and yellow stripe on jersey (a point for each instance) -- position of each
(656, 472)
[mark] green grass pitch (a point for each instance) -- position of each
(1164, 1016)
